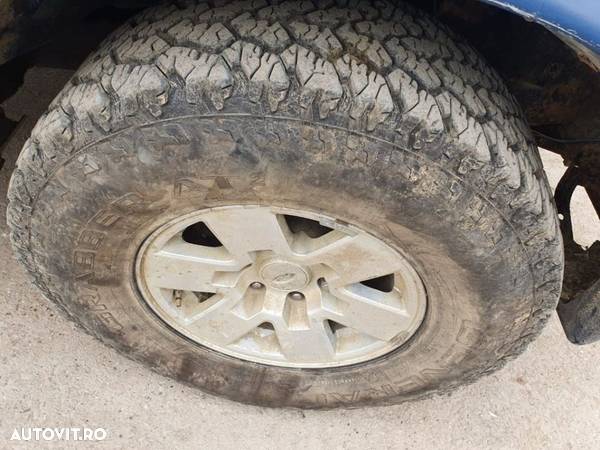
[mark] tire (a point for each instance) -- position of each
(375, 115)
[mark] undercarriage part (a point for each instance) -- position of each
(6, 128)
(581, 318)
(579, 308)
(20, 111)
(11, 75)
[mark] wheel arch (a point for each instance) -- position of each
(574, 22)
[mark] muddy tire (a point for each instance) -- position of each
(374, 115)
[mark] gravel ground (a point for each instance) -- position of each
(51, 374)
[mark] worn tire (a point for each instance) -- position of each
(373, 104)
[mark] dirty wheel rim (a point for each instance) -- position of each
(281, 287)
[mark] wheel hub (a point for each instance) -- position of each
(284, 275)
(278, 287)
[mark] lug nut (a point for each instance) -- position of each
(256, 285)
(296, 295)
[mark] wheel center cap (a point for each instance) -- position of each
(284, 275)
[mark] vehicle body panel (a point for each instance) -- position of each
(578, 19)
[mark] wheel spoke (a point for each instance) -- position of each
(354, 258)
(316, 343)
(220, 323)
(187, 267)
(246, 230)
(378, 314)
(302, 334)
